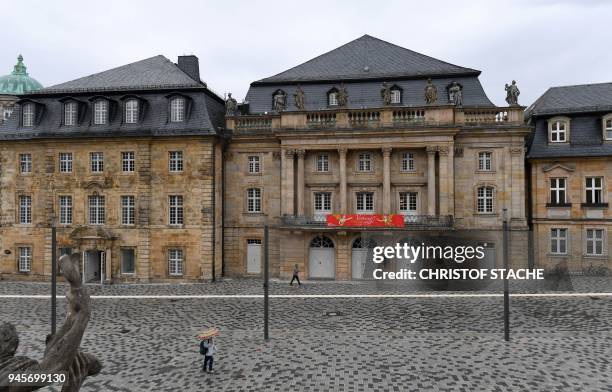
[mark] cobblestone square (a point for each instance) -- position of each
(333, 343)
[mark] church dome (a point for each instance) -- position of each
(18, 82)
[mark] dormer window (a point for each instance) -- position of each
(607, 127)
(131, 111)
(177, 109)
(28, 115)
(100, 112)
(558, 130)
(332, 98)
(396, 96)
(71, 110)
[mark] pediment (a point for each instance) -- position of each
(557, 165)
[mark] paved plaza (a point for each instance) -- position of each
(559, 343)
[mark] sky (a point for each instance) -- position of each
(539, 43)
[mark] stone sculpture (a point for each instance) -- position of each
(512, 93)
(230, 105)
(385, 94)
(299, 98)
(342, 95)
(62, 352)
(456, 94)
(431, 92)
(279, 101)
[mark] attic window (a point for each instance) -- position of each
(131, 111)
(100, 112)
(28, 115)
(332, 98)
(177, 109)
(396, 95)
(71, 110)
(607, 125)
(558, 130)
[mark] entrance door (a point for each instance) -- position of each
(361, 252)
(253, 256)
(92, 266)
(322, 260)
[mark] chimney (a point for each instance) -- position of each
(190, 65)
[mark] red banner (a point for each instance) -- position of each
(365, 220)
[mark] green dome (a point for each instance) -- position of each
(18, 82)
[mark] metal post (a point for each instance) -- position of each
(266, 281)
(53, 278)
(506, 291)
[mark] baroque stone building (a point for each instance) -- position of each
(570, 161)
(18, 82)
(368, 128)
(123, 162)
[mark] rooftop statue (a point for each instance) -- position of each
(385, 94)
(342, 95)
(456, 95)
(298, 98)
(512, 93)
(431, 92)
(62, 352)
(279, 101)
(230, 105)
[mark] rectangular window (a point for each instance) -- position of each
(131, 111)
(28, 115)
(322, 163)
(557, 191)
(128, 162)
(65, 162)
(365, 202)
(97, 162)
(177, 109)
(254, 200)
(396, 96)
(558, 241)
(558, 132)
(176, 209)
(65, 210)
(485, 199)
(365, 162)
(407, 162)
(608, 129)
(594, 187)
(128, 210)
(70, 113)
(254, 164)
(408, 202)
(594, 242)
(25, 163)
(175, 161)
(97, 210)
(25, 209)
(175, 261)
(127, 261)
(25, 259)
(322, 205)
(484, 161)
(100, 112)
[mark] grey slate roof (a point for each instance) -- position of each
(585, 105)
(574, 99)
(366, 94)
(151, 73)
(367, 58)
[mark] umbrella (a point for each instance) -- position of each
(208, 333)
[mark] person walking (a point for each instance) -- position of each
(296, 271)
(208, 349)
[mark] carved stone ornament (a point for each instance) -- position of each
(279, 101)
(385, 94)
(431, 92)
(342, 95)
(455, 94)
(512, 93)
(299, 98)
(443, 150)
(230, 105)
(62, 352)
(289, 153)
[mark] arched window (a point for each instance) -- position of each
(28, 115)
(396, 94)
(364, 243)
(484, 203)
(100, 112)
(332, 97)
(177, 109)
(321, 242)
(131, 111)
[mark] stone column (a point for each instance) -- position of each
(386, 180)
(443, 174)
(517, 156)
(300, 182)
(431, 180)
(287, 189)
(342, 154)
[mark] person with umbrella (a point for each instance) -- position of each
(208, 348)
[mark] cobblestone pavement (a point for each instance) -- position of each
(588, 284)
(334, 344)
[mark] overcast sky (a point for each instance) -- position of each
(540, 43)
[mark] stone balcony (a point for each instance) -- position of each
(387, 117)
(411, 222)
